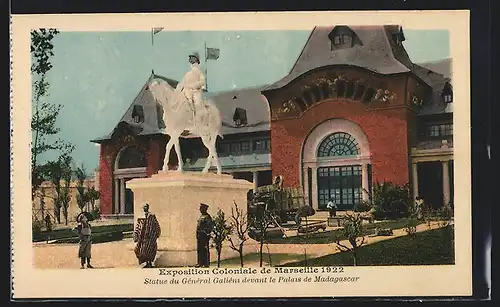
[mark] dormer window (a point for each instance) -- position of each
(343, 37)
(240, 117)
(138, 114)
(447, 93)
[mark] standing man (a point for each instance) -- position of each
(193, 83)
(332, 207)
(146, 232)
(48, 222)
(203, 234)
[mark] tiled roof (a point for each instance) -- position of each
(249, 99)
(153, 119)
(376, 53)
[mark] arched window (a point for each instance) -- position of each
(132, 157)
(338, 144)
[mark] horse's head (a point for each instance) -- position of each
(160, 89)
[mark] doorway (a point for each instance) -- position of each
(340, 183)
(430, 183)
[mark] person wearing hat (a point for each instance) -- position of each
(193, 83)
(203, 234)
(146, 232)
(85, 240)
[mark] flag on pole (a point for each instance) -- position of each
(157, 30)
(213, 53)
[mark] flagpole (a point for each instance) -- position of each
(206, 68)
(153, 51)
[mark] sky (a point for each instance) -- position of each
(96, 75)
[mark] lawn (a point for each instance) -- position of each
(252, 257)
(325, 237)
(432, 247)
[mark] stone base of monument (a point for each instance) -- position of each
(174, 197)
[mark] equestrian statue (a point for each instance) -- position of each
(185, 110)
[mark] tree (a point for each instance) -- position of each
(92, 196)
(260, 223)
(239, 227)
(43, 122)
(65, 196)
(82, 196)
(56, 171)
(221, 232)
(353, 231)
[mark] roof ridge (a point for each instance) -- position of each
(435, 61)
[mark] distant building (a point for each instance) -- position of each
(354, 110)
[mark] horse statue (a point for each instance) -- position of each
(178, 118)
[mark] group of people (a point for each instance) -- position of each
(145, 236)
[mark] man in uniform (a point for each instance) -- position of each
(203, 234)
(146, 232)
(193, 82)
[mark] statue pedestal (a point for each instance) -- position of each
(174, 198)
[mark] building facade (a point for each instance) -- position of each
(354, 110)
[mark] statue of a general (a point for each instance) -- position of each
(193, 82)
(185, 110)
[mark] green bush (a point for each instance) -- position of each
(36, 228)
(96, 213)
(363, 206)
(390, 201)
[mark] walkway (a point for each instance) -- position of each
(107, 255)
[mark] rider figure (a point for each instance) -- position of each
(193, 83)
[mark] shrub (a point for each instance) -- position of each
(36, 228)
(391, 201)
(413, 218)
(363, 206)
(96, 213)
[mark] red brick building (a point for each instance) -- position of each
(354, 110)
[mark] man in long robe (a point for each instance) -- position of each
(146, 232)
(203, 235)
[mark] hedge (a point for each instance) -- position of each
(96, 238)
(66, 233)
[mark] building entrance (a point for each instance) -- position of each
(343, 184)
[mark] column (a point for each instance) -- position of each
(364, 183)
(116, 202)
(305, 186)
(446, 184)
(415, 179)
(255, 179)
(314, 188)
(122, 196)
